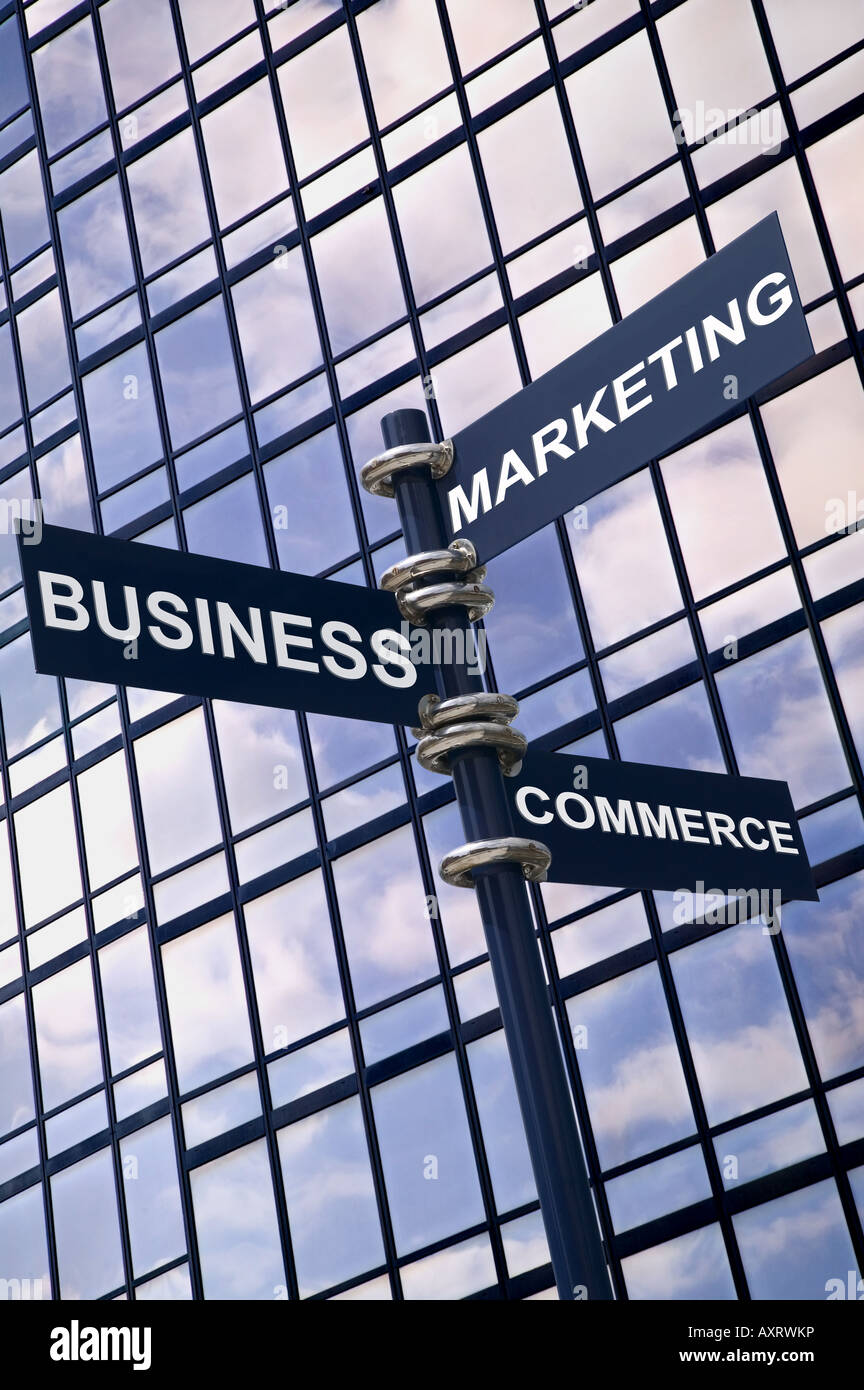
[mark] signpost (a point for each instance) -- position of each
(674, 367)
(631, 825)
(132, 614)
(668, 370)
(495, 862)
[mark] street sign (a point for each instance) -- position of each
(131, 614)
(632, 825)
(667, 371)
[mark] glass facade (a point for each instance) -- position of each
(250, 1043)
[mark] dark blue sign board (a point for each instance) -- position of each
(126, 613)
(631, 825)
(668, 370)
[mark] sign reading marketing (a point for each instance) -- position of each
(668, 370)
(131, 614)
(631, 825)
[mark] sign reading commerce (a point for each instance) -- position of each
(132, 614)
(667, 371)
(631, 825)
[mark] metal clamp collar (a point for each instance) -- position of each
(417, 604)
(465, 591)
(434, 749)
(457, 867)
(435, 713)
(377, 475)
(460, 557)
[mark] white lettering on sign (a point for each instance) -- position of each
(217, 627)
(580, 811)
(618, 400)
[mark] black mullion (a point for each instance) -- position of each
(226, 299)
(459, 1045)
(77, 377)
(465, 1077)
(703, 1128)
(811, 1066)
(708, 678)
(28, 459)
(847, 743)
(302, 724)
(814, 547)
(72, 16)
(162, 1010)
(161, 998)
(580, 1098)
(784, 963)
(591, 204)
(83, 140)
(779, 947)
(667, 982)
(665, 82)
(30, 1025)
(813, 624)
(28, 462)
(341, 951)
(483, 194)
(415, 111)
(393, 221)
(258, 1048)
(98, 1005)
(244, 953)
(670, 993)
(522, 361)
(306, 37)
(499, 57)
(244, 33)
(559, 1002)
(196, 1279)
(832, 798)
(125, 722)
(592, 660)
(810, 193)
(679, 565)
(729, 590)
(80, 849)
(316, 301)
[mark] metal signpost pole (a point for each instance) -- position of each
(466, 732)
(442, 490)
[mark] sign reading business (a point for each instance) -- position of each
(668, 370)
(631, 825)
(126, 613)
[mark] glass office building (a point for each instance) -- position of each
(250, 1043)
